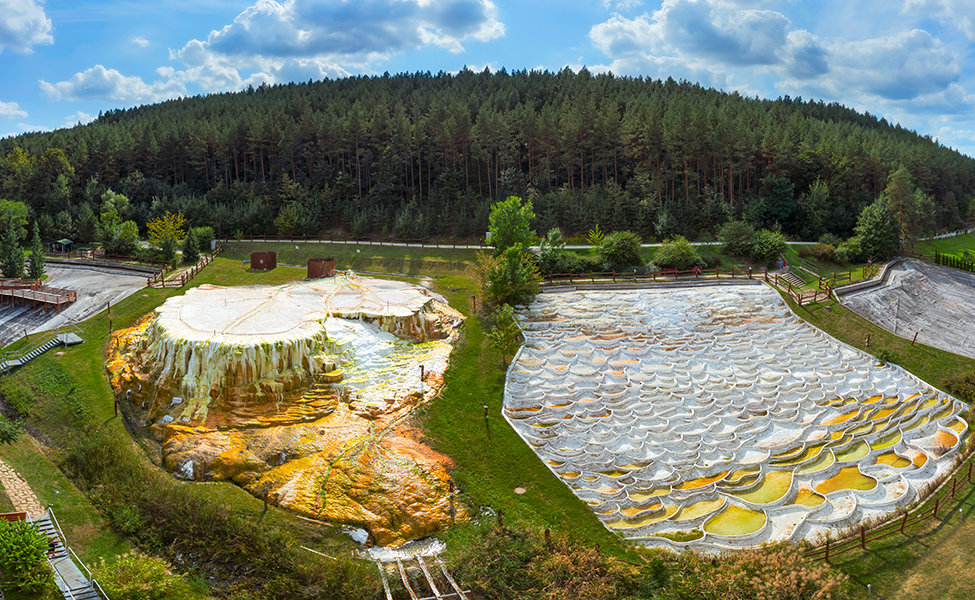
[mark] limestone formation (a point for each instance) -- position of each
(302, 393)
(715, 413)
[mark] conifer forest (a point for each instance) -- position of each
(419, 155)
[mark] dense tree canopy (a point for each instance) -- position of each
(419, 155)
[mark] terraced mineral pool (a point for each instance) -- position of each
(735, 520)
(664, 410)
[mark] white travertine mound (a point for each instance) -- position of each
(267, 341)
(715, 412)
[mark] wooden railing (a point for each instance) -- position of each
(657, 275)
(187, 275)
(897, 525)
(798, 295)
(378, 240)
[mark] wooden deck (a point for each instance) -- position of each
(24, 292)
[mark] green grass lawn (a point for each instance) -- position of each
(955, 246)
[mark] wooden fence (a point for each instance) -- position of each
(657, 275)
(186, 276)
(954, 262)
(799, 296)
(436, 241)
(897, 525)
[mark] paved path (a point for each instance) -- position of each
(20, 494)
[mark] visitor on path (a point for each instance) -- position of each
(52, 548)
(782, 263)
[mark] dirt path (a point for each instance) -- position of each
(20, 494)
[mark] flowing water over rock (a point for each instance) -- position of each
(300, 393)
(716, 410)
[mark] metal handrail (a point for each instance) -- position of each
(98, 587)
(65, 590)
(78, 561)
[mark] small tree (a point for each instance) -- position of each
(595, 238)
(191, 248)
(510, 224)
(117, 237)
(620, 249)
(166, 232)
(737, 238)
(10, 430)
(676, 253)
(11, 254)
(35, 269)
(22, 558)
(505, 333)
(878, 230)
(513, 278)
(551, 252)
(87, 224)
(769, 245)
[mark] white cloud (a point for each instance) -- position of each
(99, 83)
(140, 41)
(273, 41)
(912, 65)
(620, 4)
(708, 40)
(959, 14)
(22, 25)
(11, 110)
(79, 117)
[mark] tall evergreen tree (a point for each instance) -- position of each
(11, 254)
(35, 268)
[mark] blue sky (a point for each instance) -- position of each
(911, 61)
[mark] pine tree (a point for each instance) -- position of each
(35, 269)
(11, 254)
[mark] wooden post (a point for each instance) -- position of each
(863, 537)
(937, 501)
(915, 337)
(954, 484)
(500, 519)
(827, 550)
(903, 522)
(548, 537)
(969, 476)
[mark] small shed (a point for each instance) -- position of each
(319, 268)
(264, 261)
(62, 245)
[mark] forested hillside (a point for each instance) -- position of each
(418, 155)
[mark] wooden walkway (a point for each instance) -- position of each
(32, 291)
(419, 579)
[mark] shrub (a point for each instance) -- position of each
(620, 249)
(134, 577)
(824, 252)
(885, 356)
(737, 238)
(769, 245)
(849, 251)
(961, 385)
(191, 248)
(831, 239)
(769, 573)
(677, 253)
(23, 559)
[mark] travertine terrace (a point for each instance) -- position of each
(300, 393)
(715, 413)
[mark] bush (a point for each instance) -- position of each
(678, 254)
(134, 577)
(737, 238)
(769, 245)
(831, 239)
(620, 249)
(885, 356)
(849, 251)
(23, 558)
(961, 386)
(824, 252)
